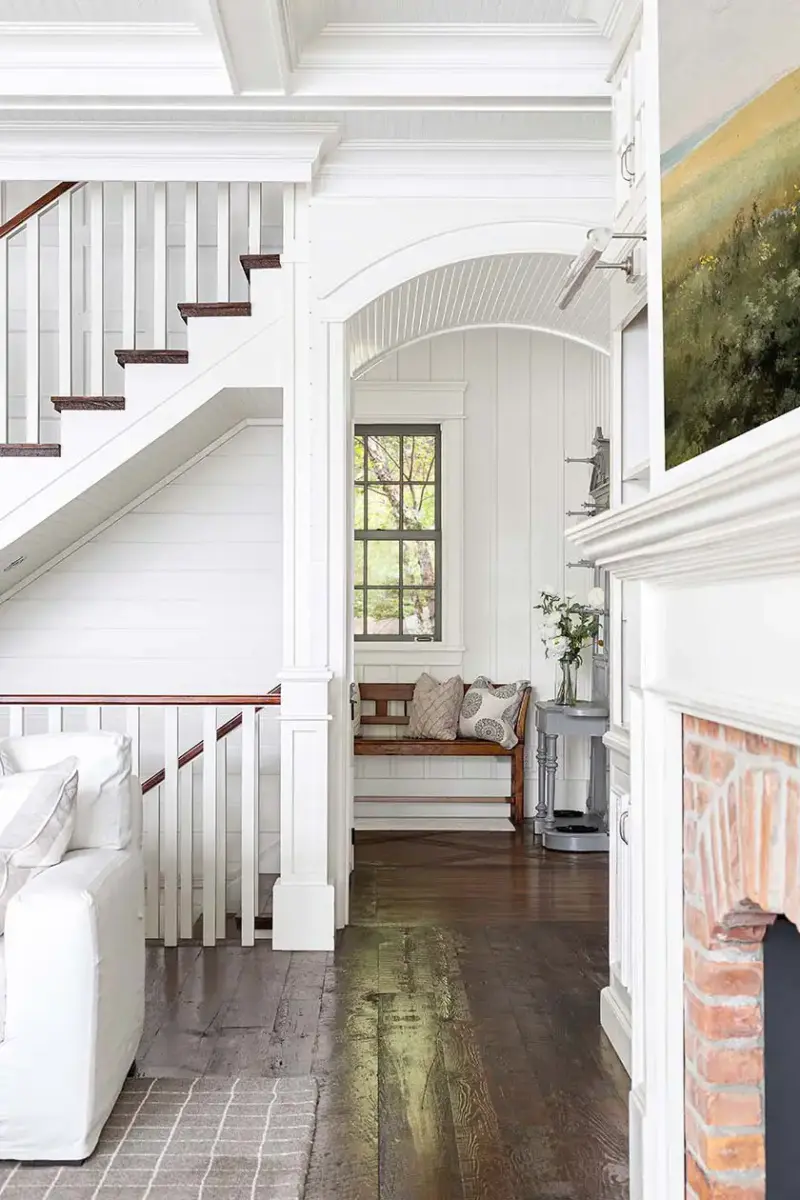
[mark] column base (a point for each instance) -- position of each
(302, 916)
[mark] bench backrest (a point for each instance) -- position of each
(400, 695)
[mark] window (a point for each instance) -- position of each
(398, 531)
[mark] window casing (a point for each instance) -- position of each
(398, 532)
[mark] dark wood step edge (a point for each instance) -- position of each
(129, 357)
(217, 308)
(30, 450)
(259, 262)
(87, 403)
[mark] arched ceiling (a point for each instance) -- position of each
(503, 289)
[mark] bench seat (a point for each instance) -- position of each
(400, 695)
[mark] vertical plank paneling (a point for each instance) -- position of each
(129, 266)
(222, 835)
(32, 326)
(223, 241)
(249, 824)
(169, 869)
(159, 266)
(3, 339)
(186, 863)
(65, 294)
(209, 825)
(254, 218)
(96, 288)
(190, 245)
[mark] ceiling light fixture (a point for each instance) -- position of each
(597, 242)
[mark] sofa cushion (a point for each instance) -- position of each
(103, 817)
(435, 708)
(37, 818)
(490, 712)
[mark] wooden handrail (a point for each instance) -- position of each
(36, 207)
(272, 697)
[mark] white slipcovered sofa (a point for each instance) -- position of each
(72, 959)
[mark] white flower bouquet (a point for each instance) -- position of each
(567, 628)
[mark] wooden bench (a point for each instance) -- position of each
(400, 696)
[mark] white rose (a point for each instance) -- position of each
(558, 645)
(552, 620)
(596, 598)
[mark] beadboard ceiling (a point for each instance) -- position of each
(510, 289)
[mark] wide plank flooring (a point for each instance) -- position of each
(455, 1031)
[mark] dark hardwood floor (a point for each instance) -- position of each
(455, 1031)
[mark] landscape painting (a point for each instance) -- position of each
(730, 161)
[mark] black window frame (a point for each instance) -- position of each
(401, 430)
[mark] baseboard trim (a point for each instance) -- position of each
(616, 1022)
(436, 824)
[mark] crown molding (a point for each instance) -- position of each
(129, 149)
(732, 513)
(452, 30)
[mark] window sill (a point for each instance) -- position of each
(414, 653)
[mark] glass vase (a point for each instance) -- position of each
(568, 688)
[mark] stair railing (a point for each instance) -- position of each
(189, 842)
(89, 268)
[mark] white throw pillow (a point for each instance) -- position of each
(37, 817)
(103, 816)
(490, 712)
(435, 708)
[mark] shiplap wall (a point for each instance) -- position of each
(180, 596)
(532, 400)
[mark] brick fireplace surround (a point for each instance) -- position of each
(741, 870)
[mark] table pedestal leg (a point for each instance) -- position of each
(541, 793)
(550, 766)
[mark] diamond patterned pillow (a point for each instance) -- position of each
(490, 712)
(435, 708)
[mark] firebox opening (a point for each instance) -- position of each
(782, 1059)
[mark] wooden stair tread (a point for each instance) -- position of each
(87, 403)
(217, 308)
(125, 357)
(30, 450)
(259, 262)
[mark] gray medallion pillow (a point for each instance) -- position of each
(490, 712)
(435, 708)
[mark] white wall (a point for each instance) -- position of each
(531, 400)
(179, 596)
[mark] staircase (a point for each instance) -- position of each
(91, 415)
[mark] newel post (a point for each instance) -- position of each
(303, 897)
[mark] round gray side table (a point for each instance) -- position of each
(577, 720)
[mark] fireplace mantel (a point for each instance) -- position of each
(732, 514)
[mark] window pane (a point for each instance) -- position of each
(358, 459)
(419, 506)
(383, 454)
(383, 612)
(358, 612)
(358, 564)
(384, 506)
(419, 459)
(419, 563)
(383, 563)
(358, 507)
(419, 612)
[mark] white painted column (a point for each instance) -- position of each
(303, 897)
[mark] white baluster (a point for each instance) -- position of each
(170, 858)
(32, 248)
(151, 839)
(132, 725)
(222, 836)
(249, 825)
(55, 719)
(96, 289)
(186, 863)
(190, 242)
(94, 718)
(16, 720)
(129, 266)
(65, 294)
(254, 218)
(159, 266)
(223, 241)
(4, 339)
(209, 825)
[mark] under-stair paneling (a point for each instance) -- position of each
(531, 400)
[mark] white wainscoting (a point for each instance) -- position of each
(530, 400)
